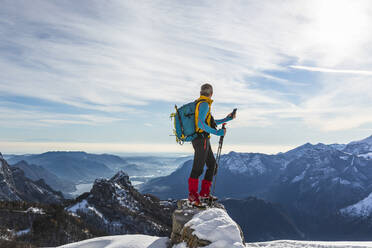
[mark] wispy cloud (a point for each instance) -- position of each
(321, 69)
(11, 117)
(117, 57)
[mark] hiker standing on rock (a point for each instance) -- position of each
(205, 125)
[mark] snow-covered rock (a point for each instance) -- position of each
(216, 226)
(35, 210)
(212, 227)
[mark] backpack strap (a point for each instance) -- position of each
(202, 133)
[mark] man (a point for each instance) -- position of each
(205, 125)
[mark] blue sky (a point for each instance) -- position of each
(103, 76)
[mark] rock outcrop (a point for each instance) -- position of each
(194, 227)
(116, 207)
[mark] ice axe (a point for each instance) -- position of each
(218, 156)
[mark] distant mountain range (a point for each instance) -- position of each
(15, 186)
(36, 172)
(78, 167)
(315, 178)
(64, 170)
(312, 182)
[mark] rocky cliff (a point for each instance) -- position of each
(14, 186)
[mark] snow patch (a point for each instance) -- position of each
(145, 241)
(123, 197)
(121, 241)
(310, 244)
(23, 232)
(341, 181)
(366, 155)
(85, 207)
(35, 210)
(237, 163)
(344, 157)
(360, 209)
(299, 177)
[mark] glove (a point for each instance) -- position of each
(231, 116)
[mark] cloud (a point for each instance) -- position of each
(123, 56)
(320, 69)
(13, 117)
(343, 104)
(132, 53)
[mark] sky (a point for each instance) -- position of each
(104, 76)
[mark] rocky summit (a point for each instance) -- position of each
(116, 207)
(195, 227)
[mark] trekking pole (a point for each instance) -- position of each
(217, 162)
(218, 155)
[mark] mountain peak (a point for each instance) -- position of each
(367, 140)
(22, 162)
(122, 178)
(1, 156)
(232, 153)
(360, 147)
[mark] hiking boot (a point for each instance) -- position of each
(208, 198)
(194, 199)
(205, 191)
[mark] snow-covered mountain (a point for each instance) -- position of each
(320, 178)
(310, 177)
(116, 207)
(312, 182)
(361, 148)
(14, 186)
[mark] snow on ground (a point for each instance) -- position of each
(366, 155)
(23, 232)
(362, 208)
(145, 241)
(309, 244)
(121, 241)
(35, 210)
(216, 226)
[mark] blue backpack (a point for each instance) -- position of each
(184, 122)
